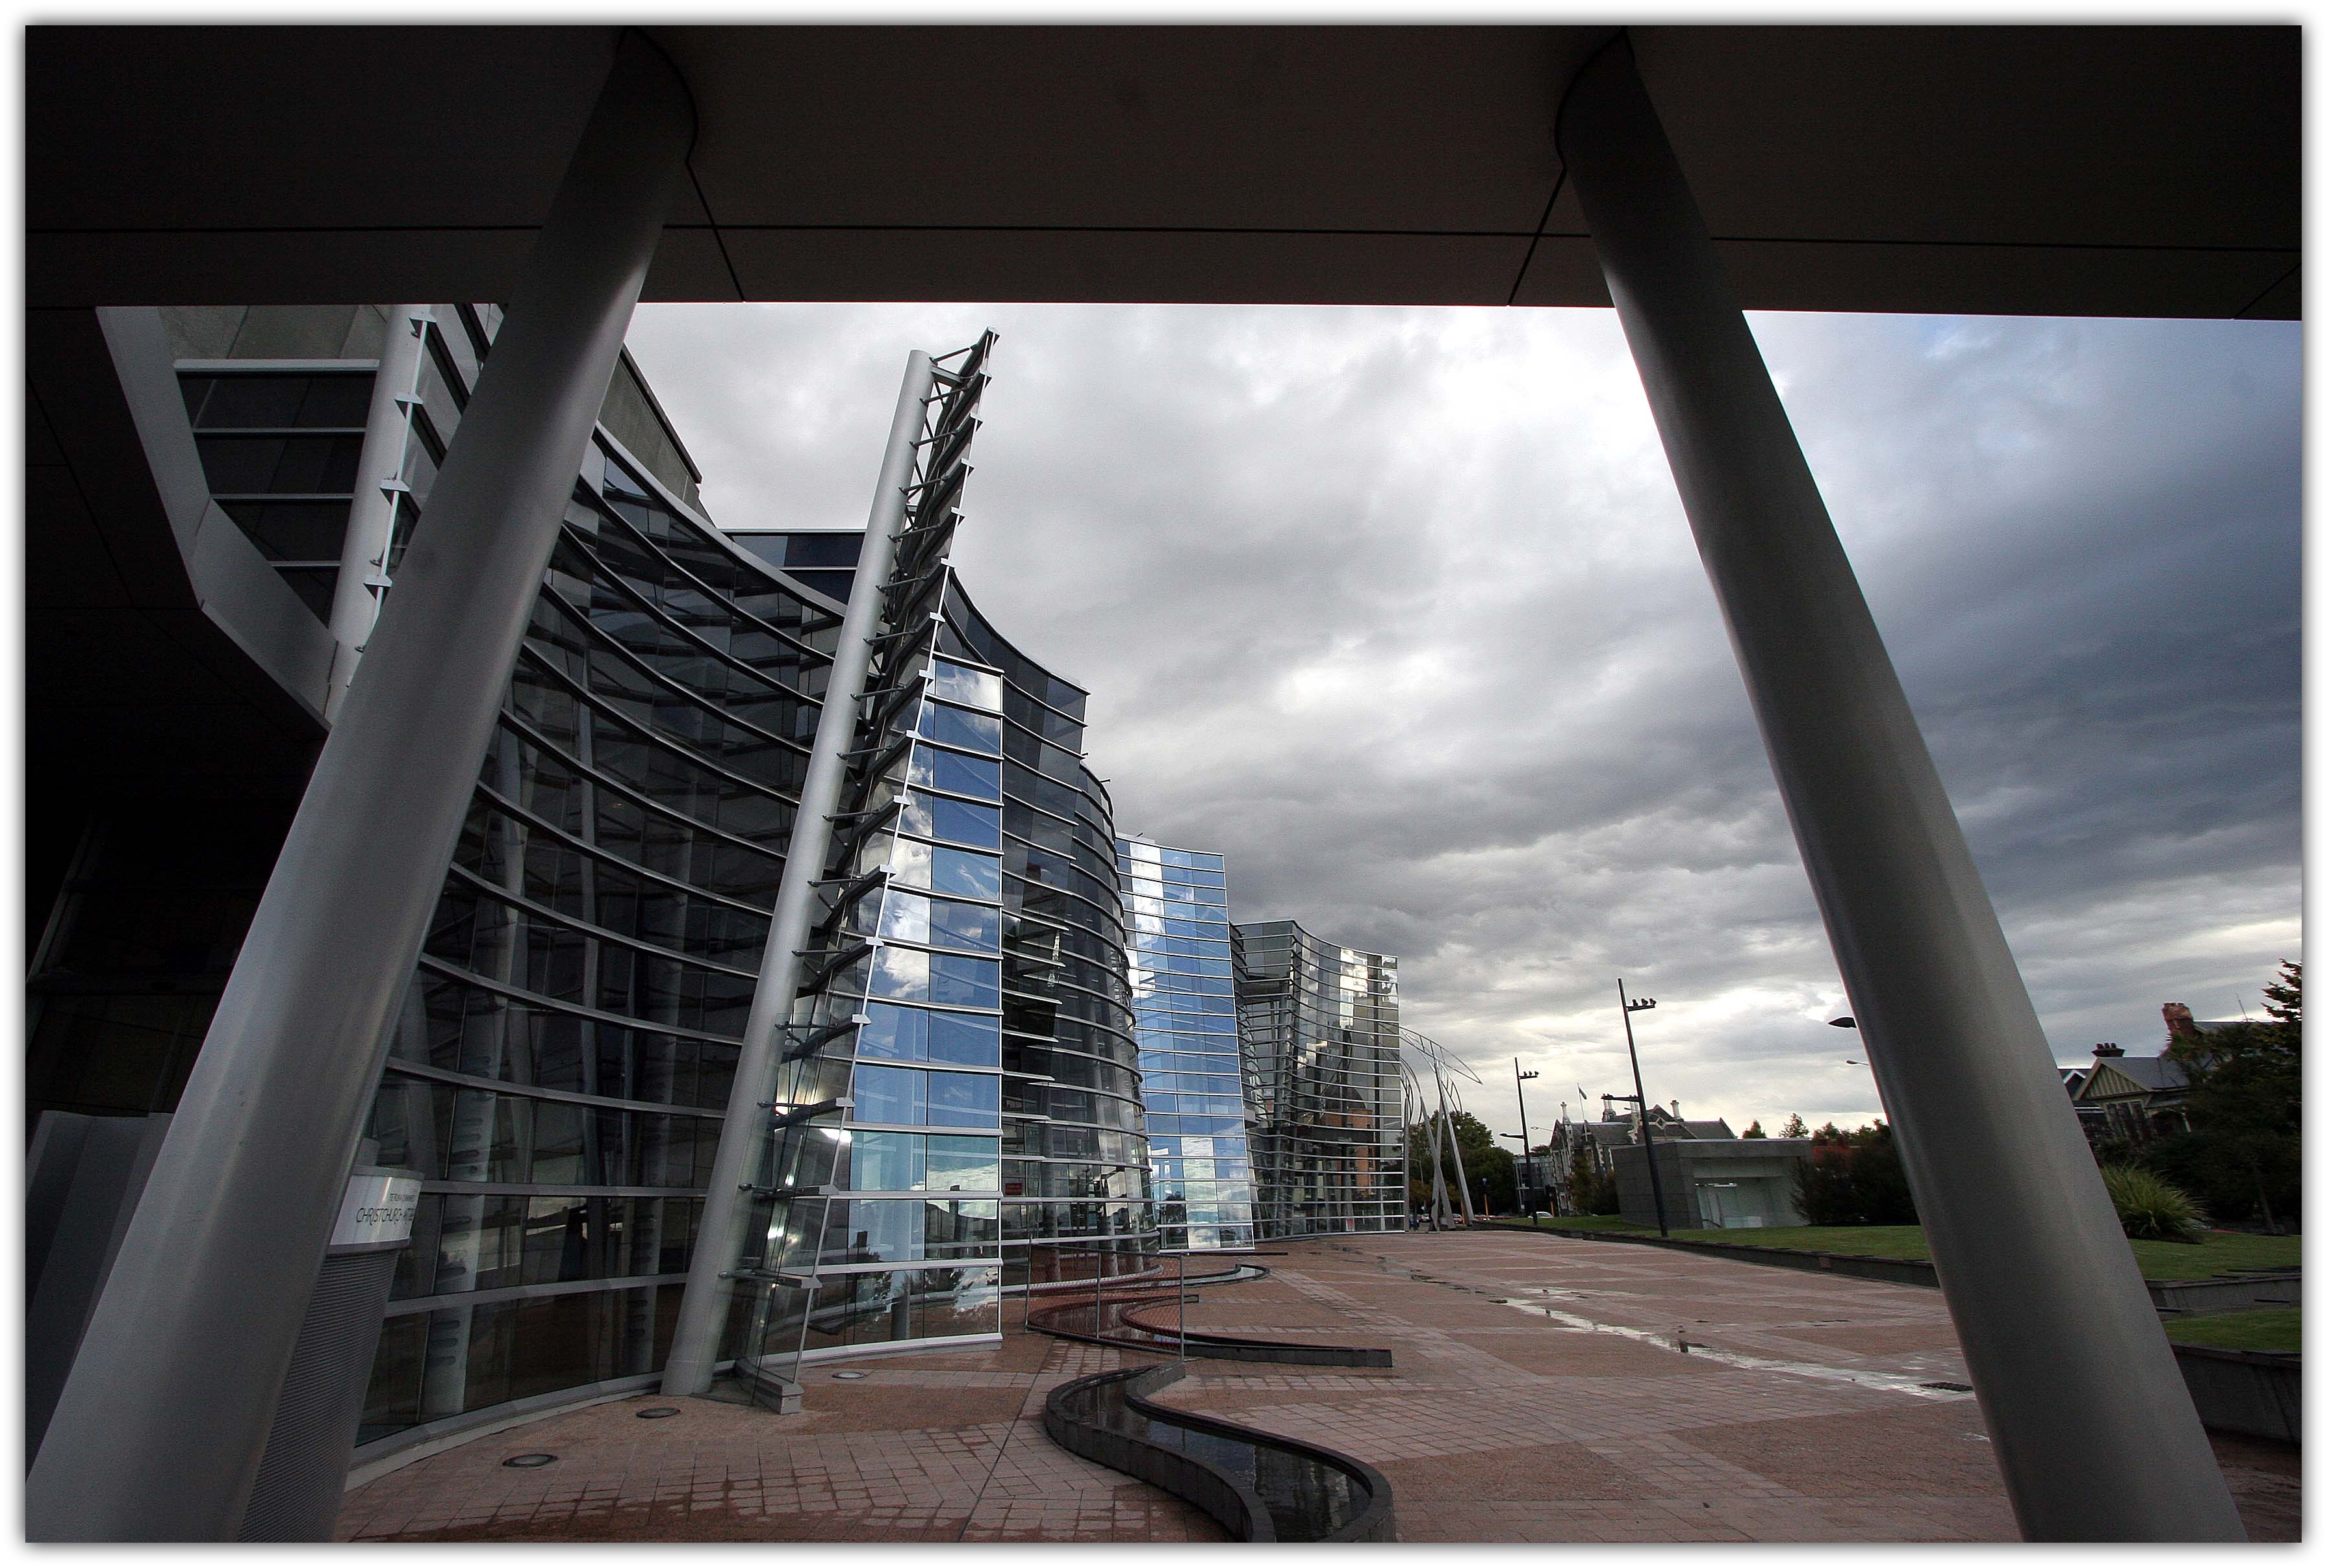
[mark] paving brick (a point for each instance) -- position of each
(1497, 1423)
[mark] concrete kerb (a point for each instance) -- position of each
(2254, 1288)
(2253, 1393)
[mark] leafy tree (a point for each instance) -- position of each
(1853, 1178)
(2283, 1000)
(1753, 1131)
(1591, 1192)
(2242, 1157)
(1481, 1157)
(1795, 1127)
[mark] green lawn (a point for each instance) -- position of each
(2222, 1252)
(2255, 1328)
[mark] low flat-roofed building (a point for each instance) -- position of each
(1712, 1183)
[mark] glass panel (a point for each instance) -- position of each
(955, 1163)
(964, 1039)
(935, 817)
(885, 1162)
(900, 1033)
(292, 530)
(287, 465)
(960, 1099)
(266, 402)
(949, 1302)
(881, 1230)
(941, 923)
(977, 687)
(956, 727)
(957, 1228)
(952, 771)
(888, 1094)
(909, 1035)
(948, 871)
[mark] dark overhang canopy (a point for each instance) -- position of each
(2101, 171)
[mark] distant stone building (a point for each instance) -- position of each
(1598, 1141)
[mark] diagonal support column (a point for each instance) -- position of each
(726, 1210)
(159, 1432)
(379, 478)
(2091, 1420)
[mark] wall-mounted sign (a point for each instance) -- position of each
(377, 1210)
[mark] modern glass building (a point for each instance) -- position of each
(963, 1111)
(1191, 1063)
(565, 1050)
(560, 1066)
(1327, 1106)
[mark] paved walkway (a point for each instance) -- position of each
(1538, 1396)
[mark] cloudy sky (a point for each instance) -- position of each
(1397, 608)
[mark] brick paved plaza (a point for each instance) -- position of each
(1538, 1396)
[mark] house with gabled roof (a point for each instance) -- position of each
(2133, 1099)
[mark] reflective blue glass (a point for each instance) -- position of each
(955, 773)
(958, 727)
(1184, 1001)
(961, 1099)
(940, 922)
(911, 1034)
(887, 1094)
(948, 979)
(958, 683)
(936, 817)
(948, 871)
(965, 1038)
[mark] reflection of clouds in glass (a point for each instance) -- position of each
(958, 683)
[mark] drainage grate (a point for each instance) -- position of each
(1950, 1387)
(530, 1460)
(659, 1413)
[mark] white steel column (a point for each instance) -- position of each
(159, 1432)
(727, 1208)
(379, 480)
(2091, 1420)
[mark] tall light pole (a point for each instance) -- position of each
(1640, 1098)
(1520, 1080)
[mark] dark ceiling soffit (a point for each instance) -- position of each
(2150, 171)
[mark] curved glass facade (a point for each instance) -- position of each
(1321, 1032)
(1190, 1065)
(958, 1102)
(965, 1033)
(959, 1105)
(1074, 1154)
(564, 1051)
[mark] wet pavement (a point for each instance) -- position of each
(1547, 1389)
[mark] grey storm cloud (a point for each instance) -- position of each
(1397, 608)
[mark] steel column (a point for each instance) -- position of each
(379, 480)
(728, 1209)
(161, 1426)
(2091, 1420)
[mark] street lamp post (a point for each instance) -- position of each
(1520, 1078)
(1640, 1098)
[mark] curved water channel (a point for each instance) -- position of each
(1259, 1486)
